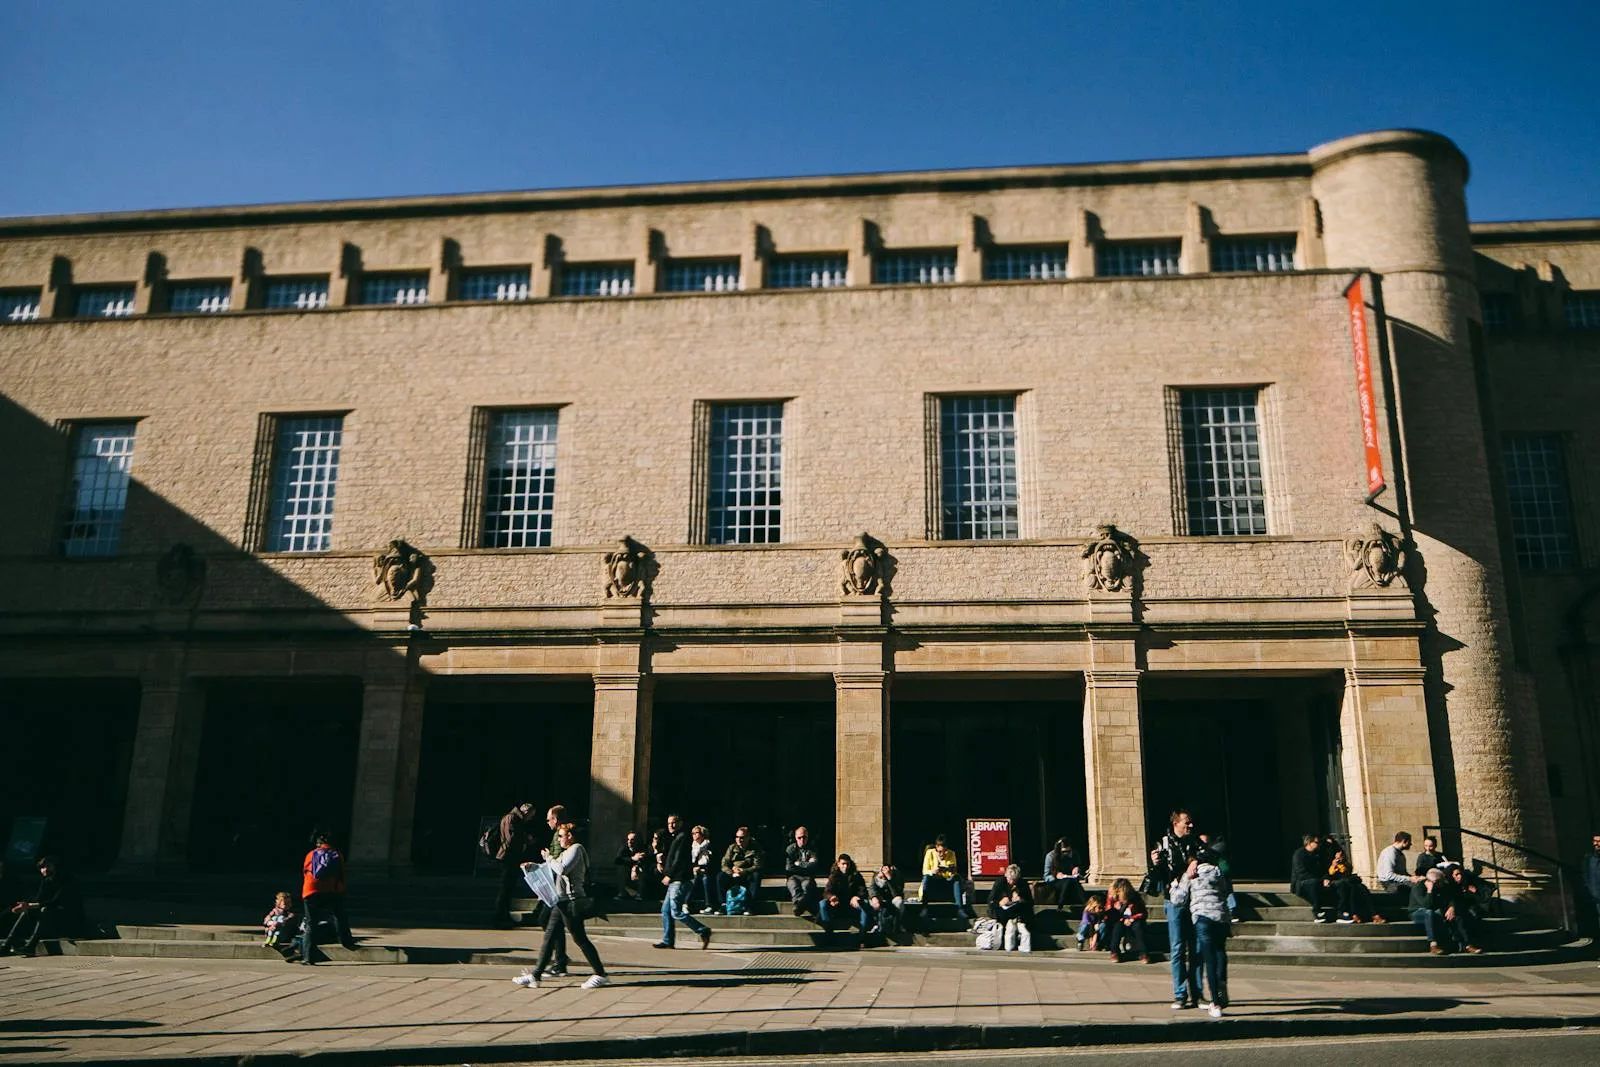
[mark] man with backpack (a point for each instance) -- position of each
(511, 845)
(1168, 861)
(322, 888)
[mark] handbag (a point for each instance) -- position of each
(990, 934)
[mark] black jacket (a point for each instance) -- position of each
(845, 886)
(680, 858)
(1175, 854)
(1002, 888)
(1306, 867)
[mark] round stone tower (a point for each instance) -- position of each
(1394, 202)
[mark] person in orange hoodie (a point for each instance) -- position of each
(322, 888)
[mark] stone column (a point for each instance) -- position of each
(385, 791)
(1113, 761)
(1388, 764)
(861, 766)
(619, 760)
(166, 749)
(1394, 202)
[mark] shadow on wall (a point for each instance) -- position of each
(176, 696)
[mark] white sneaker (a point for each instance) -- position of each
(1346, 921)
(1214, 1011)
(526, 980)
(705, 911)
(596, 981)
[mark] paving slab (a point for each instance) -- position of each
(102, 1010)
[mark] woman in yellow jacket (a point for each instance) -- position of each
(939, 870)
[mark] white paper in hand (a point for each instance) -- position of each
(543, 885)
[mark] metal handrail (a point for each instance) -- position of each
(1567, 923)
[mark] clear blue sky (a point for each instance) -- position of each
(119, 105)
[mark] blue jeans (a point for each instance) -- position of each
(931, 881)
(702, 882)
(1180, 949)
(1211, 944)
(844, 914)
(1428, 919)
(672, 908)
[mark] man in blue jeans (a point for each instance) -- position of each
(1168, 861)
(680, 869)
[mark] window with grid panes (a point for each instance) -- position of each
(102, 455)
(495, 284)
(596, 279)
(1582, 311)
(1499, 312)
(978, 467)
(1541, 511)
(305, 474)
(1252, 254)
(807, 272)
(394, 288)
(745, 474)
(1130, 259)
(103, 301)
(19, 305)
(701, 276)
(302, 294)
(520, 480)
(1223, 482)
(1025, 263)
(932, 266)
(199, 298)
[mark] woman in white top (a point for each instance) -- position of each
(570, 870)
(702, 864)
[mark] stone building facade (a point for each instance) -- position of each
(871, 502)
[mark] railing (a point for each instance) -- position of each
(1493, 863)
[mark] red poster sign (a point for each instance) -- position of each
(1369, 405)
(988, 847)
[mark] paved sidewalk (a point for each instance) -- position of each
(664, 1003)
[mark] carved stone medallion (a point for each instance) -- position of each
(401, 571)
(1109, 560)
(627, 570)
(1375, 557)
(865, 568)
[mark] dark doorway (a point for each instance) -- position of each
(488, 746)
(745, 754)
(976, 749)
(68, 745)
(1255, 761)
(277, 760)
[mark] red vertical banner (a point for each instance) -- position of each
(988, 847)
(1364, 394)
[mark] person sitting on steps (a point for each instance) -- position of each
(1308, 878)
(802, 864)
(1011, 905)
(940, 875)
(741, 868)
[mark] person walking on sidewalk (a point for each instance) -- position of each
(679, 869)
(570, 871)
(322, 888)
(1168, 861)
(1203, 891)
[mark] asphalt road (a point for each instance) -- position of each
(1522, 1049)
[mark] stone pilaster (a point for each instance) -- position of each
(1388, 764)
(861, 765)
(166, 749)
(1113, 760)
(619, 758)
(385, 791)
(1080, 246)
